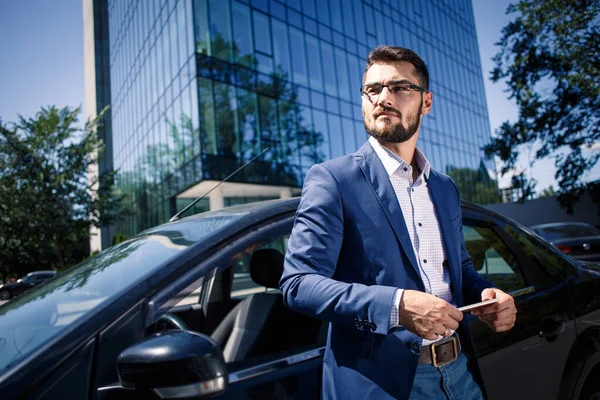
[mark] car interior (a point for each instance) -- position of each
(246, 314)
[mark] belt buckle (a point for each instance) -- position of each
(434, 355)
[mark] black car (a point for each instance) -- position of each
(11, 289)
(191, 309)
(576, 239)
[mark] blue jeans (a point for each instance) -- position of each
(449, 382)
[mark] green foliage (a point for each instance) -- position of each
(548, 192)
(120, 237)
(47, 200)
(550, 59)
(475, 185)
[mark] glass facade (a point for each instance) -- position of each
(199, 87)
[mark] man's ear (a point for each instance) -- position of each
(427, 103)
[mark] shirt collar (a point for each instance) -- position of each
(391, 162)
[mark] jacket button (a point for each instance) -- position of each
(414, 346)
(373, 326)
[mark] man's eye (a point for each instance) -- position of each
(399, 88)
(373, 90)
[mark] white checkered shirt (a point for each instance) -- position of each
(421, 222)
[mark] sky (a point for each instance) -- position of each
(42, 62)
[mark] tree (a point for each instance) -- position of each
(550, 59)
(47, 203)
(474, 185)
(547, 192)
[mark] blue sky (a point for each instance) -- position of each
(42, 61)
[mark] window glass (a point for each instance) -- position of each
(349, 136)
(220, 29)
(248, 123)
(207, 116)
(309, 8)
(242, 34)
(314, 63)
(298, 56)
(545, 257)
(335, 135)
(242, 285)
(336, 15)
(269, 129)
(491, 257)
(342, 73)
(329, 69)
(249, 285)
(262, 33)
(566, 230)
(280, 47)
(323, 12)
(320, 121)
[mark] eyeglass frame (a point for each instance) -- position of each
(411, 85)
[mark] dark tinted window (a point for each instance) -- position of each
(491, 257)
(567, 231)
(543, 255)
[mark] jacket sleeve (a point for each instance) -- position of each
(311, 260)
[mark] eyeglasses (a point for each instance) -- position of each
(397, 88)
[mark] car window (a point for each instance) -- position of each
(491, 257)
(568, 231)
(242, 285)
(68, 298)
(246, 314)
(542, 254)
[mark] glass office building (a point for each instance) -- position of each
(197, 88)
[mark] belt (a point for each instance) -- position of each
(442, 352)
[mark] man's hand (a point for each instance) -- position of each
(426, 315)
(500, 316)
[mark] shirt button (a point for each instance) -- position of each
(425, 261)
(420, 224)
(412, 190)
(405, 169)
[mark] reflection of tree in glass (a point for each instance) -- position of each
(75, 277)
(251, 111)
(79, 276)
(474, 185)
(240, 113)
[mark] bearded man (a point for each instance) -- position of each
(377, 251)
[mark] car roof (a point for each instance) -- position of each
(558, 224)
(42, 272)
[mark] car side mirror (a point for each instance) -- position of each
(174, 364)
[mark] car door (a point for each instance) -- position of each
(284, 360)
(530, 362)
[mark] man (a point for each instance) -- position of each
(377, 250)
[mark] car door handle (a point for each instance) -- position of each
(552, 327)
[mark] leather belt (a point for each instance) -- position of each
(440, 353)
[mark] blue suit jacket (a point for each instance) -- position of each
(348, 253)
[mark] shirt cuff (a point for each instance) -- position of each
(395, 308)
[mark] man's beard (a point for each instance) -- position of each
(394, 133)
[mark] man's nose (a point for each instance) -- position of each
(385, 97)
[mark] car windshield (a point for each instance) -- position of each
(34, 318)
(567, 231)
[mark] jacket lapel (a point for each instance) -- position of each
(444, 216)
(379, 180)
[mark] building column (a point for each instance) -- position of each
(285, 193)
(216, 200)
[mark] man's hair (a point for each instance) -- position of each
(391, 54)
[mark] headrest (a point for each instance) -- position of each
(266, 267)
